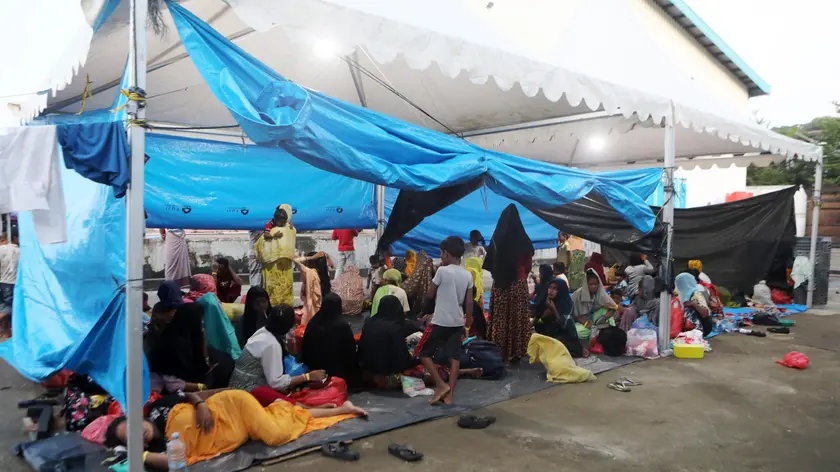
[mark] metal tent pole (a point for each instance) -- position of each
(380, 211)
(9, 227)
(815, 227)
(135, 229)
(669, 163)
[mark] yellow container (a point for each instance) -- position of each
(689, 351)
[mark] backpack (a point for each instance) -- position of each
(486, 355)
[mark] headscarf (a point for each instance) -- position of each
(201, 284)
(399, 264)
(392, 275)
(320, 265)
(686, 286)
(541, 289)
(288, 209)
(473, 264)
(417, 286)
(563, 329)
(647, 300)
(382, 348)
(351, 288)
(695, 264)
(510, 248)
(169, 295)
(219, 331)
(181, 349)
(410, 262)
(251, 319)
(596, 263)
(328, 343)
(585, 303)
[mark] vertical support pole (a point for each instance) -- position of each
(815, 228)
(135, 229)
(670, 162)
(380, 211)
(9, 227)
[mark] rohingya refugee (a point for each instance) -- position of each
(596, 263)
(181, 351)
(346, 249)
(710, 292)
(555, 317)
(383, 354)
(392, 279)
(475, 248)
(698, 266)
(311, 286)
(576, 271)
(646, 303)
(260, 369)
(509, 260)
(328, 343)
(222, 423)
(475, 266)
(350, 286)
(541, 286)
(410, 262)
(228, 283)
(695, 305)
(638, 268)
(176, 265)
(321, 262)
(218, 329)
(559, 272)
(201, 284)
(417, 285)
(593, 308)
(278, 252)
(257, 308)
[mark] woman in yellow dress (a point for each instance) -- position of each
(278, 254)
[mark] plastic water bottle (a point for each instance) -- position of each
(176, 450)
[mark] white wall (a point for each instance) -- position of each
(709, 186)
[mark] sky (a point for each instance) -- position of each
(793, 46)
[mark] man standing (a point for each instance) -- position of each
(9, 256)
(346, 248)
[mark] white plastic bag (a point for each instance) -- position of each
(642, 343)
(694, 336)
(413, 386)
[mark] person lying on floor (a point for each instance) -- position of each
(383, 354)
(328, 343)
(260, 369)
(555, 317)
(223, 423)
(593, 308)
(694, 302)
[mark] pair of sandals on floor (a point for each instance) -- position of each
(623, 384)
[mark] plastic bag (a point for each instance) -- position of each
(333, 393)
(414, 386)
(795, 360)
(695, 336)
(677, 317)
(642, 343)
(292, 367)
(95, 431)
(643, 322)
(58, 380)
(595, 346)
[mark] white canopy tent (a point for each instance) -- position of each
(458, 73)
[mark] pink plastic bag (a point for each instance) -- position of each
(795, 360)
(95, 431)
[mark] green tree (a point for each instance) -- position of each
(823, 130)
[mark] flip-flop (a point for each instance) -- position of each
(618, 387)
(406, 453)
(779, 330)
(339, 450)
(473, 422)
(628, 382)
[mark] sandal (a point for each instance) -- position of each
(779, 330)
(339, 450)
(473, 422)
(627, 382)
(618, 387)
(406, 453)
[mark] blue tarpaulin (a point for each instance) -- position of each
(198, 184)
(69, 301)
(356, 142)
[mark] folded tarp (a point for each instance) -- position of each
(200, 184)
(69, 300)
(736, 241)
(355, 142)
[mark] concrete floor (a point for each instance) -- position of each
(734, 410)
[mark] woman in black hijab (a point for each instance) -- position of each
(257, 308)
(541, 288)
(328, 343)
(382, 349)
(509, 259)
(555, 318)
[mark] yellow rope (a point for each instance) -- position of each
(132, 96)
(86, 94)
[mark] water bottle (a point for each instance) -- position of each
(176, 450)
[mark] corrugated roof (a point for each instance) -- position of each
(717, 47)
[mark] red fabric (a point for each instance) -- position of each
(795, 360)
(345, 239)
(269, 226)
(95, 431)
(677, 317)
(426, 333)
(201, 284)
(715, 303)
(599, 269)
(58, 380)
(333, 393)
(267, 395)
(524, 266)
(357, 337)
(779, 297)
(116, 409)
(595, 346)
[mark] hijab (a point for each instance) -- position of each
(410, 262)
(510, 248)
(647, 300)
(399, 264)
(201, 284)
(328, 343)
(252, 320)
(181, 349)
(218, 330)
(596, 263)
(695, 264)
(541, 290)
(169, 294)
(382, 348)
(563, 328)
(686, 286)
(285, 208)
(585, 302)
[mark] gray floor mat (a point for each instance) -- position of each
(392, 410)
